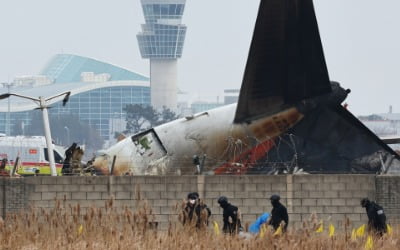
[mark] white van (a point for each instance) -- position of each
(32, 153)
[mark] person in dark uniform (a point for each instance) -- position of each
(66, 168)
(195, 209)
(278, 213)
(376, 216)
(231, 217)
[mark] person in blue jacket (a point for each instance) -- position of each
(256, 225)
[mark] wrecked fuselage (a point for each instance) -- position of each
(169, 148)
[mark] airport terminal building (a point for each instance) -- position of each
(99, 93)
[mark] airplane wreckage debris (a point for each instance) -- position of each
(289, 118)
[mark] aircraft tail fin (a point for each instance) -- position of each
(286, 62)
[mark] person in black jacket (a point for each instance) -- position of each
(231, 217)
(278, 213)
(376, 216)
(195, 211)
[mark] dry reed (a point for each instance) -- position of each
(68, 227)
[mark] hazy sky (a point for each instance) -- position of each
(360, 37)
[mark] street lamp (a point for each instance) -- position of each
(67, 129)
(42, 102)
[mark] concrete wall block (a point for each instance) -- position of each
(100, 188)
(138, 180)
(316, 194)
(49, 195)
(364, 193)
(250, 187)
(216, 187)
(63, 196)
(107, 195)
(169, 195)
(295, 202)
(259, 179)
(331, 194)
(323, 202)
(185, 187)
(360, 210)
(239, 187)
(338, 202)
(63, 180)
(122, 195)
(346, 210)
(294, 217)
(152, 195)
(48, 180)
(308, 187)
(32, 181)
(215, 179)
(241, 195)
(323, 186)
(257, 195)
(331, 178)
(174, 187)
(256, 210)
(300, 209)
(70, 188)
(308, 179)
(94, 195)
(338, 217)
(42, 188)
(160, 203)
(86, 188)
(354, 217)
(162, 218)
(353, 186)
(215, 195)
(353, 202)
(338, 186)
(248, 218)
(345, 194)
(78, 196)
(278, 187)
(121, 180)
(263, 187)
(158, 179)
(276, 179)
(130, 188)
(309, 202)
(316, 210)
(34, 196)
(263, 202)
(331, 209)
(249, 202)
(298, 193)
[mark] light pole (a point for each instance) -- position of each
(42, 102)
(68, 138)
(7, 128)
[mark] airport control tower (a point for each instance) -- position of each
(161, 40)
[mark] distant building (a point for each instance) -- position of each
(161, 41)
(200, 106)
(231, 96)
(99, 93)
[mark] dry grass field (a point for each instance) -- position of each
(66, 227)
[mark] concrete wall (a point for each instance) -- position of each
(329, 196)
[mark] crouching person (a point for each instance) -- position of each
(231, 216)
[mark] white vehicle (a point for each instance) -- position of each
(32, 153)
